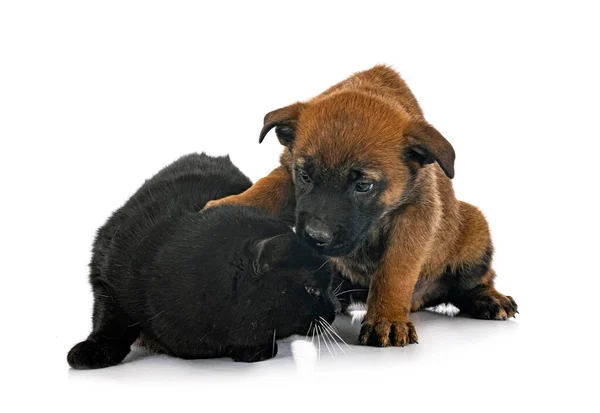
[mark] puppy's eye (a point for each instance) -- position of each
(304, 177)
(312, 290)
(363, 187)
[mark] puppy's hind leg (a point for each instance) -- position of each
(487, 303)
(111, 337)
(473, 292)
(471, 280)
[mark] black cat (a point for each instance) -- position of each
(228, 281)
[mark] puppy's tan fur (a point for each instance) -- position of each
(437, 249)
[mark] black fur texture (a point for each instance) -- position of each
(228, 281)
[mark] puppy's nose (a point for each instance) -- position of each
(319, 232)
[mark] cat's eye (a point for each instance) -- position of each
(363, 187)
(313, 290)
(304, 176)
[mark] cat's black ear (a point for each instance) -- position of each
(270, 251)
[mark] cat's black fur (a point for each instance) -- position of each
(224, 282)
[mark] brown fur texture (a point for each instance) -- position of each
(424, 247)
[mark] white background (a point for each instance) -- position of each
(97, 96)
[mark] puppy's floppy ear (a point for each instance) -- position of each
(270, 251)
(284, 121)
(427, 145)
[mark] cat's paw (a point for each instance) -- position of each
(91, 355)
(254, 354)
(88, 355)
(387, 334)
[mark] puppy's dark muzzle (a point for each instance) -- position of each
(319, 233)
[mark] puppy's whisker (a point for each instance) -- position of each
(318, 269)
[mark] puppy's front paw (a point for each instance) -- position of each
(387, 333)
(228, 200)
(214, 203)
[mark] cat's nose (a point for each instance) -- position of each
(337, 307)
(319, 232)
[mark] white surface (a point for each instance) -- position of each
(95, 97)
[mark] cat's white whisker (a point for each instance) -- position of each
(156, 315)
(319, 341)
(338, 288)
(335, 332)
(336, 343)
(273, 349)
(325, 341)
(351, 291)
(309, 327)
(332, 338)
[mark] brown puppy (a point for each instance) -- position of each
(369, 180)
